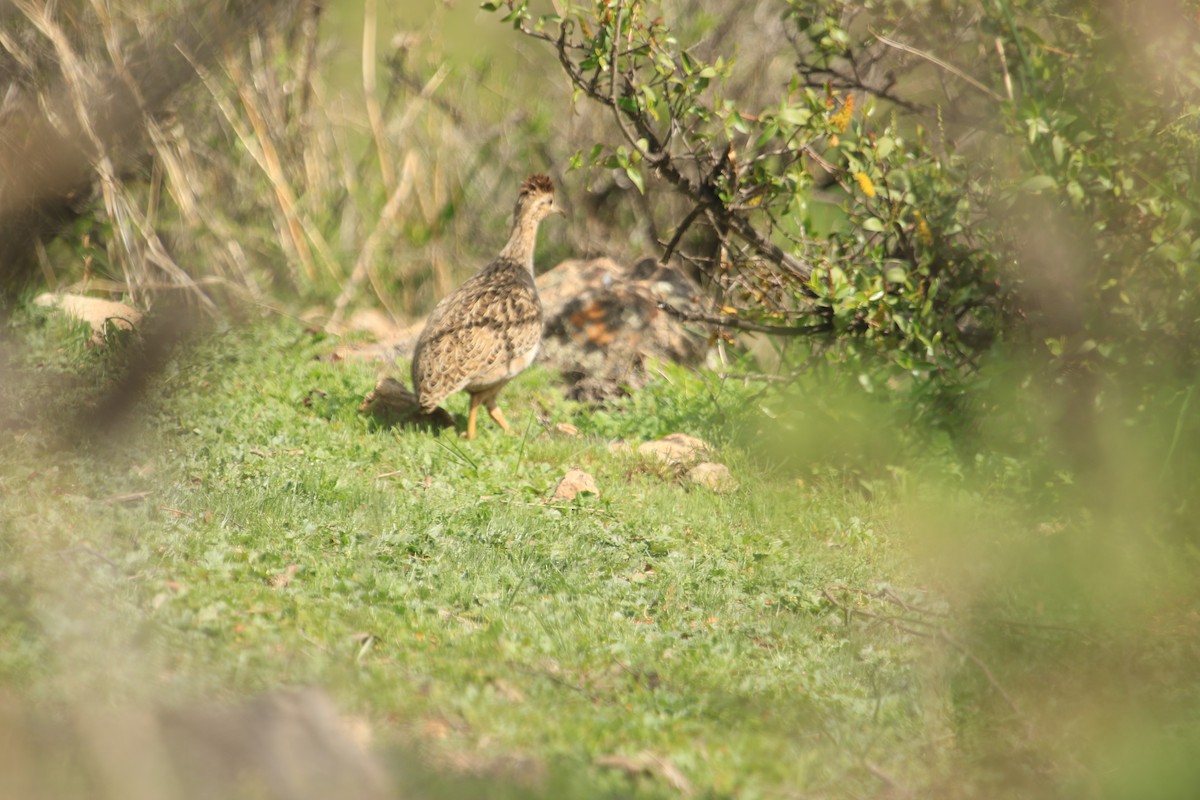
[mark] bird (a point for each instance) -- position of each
(488, 330)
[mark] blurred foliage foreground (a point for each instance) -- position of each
(968, 228)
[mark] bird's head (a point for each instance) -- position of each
(536, 199)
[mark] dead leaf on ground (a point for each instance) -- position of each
(284, 578)
(647, 763)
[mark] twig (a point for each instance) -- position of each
(759, 376)
(953, 70)
(669, 248)
(285, 200)
(890, 596)
(1004, 67)
(744, 325)
(300, 229)
(945, 636)
(374, 115)
(310, 27)
(927, 630)
(895, 787)
(366, 255)
(131, 497)
(91, 551)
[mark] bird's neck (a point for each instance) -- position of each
(521, 242)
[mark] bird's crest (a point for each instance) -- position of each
(537, 184)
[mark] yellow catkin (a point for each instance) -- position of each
(864, 183)
(841, 120)
(924, 234)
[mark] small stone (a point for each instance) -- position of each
(713, 476)
(620, 446)
(574, 482)
(566, 429)
(675, 448)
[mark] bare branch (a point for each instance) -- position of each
(680, 230)
(932, 59)
(745, 325)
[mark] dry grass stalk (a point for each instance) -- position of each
(366, 256)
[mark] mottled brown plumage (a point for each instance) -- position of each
(480, 336)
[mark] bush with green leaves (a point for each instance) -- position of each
(816, 212)
(913, 180)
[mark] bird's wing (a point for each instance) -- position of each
(492, 319)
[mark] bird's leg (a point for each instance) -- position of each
(495, 413)
(475, 401)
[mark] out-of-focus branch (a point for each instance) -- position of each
(932, 59)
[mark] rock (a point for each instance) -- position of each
(98, 314)
(713, 476)
(603, 324)
(574, 482)
(675, 448)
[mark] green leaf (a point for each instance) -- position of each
(794, 115)
(873, 224)
(635, 176)
(1038, 183)
(1057, 145)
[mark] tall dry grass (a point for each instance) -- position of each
(264, 174)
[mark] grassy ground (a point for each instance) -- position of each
(248, 529)
(841, 625)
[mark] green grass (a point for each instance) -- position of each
(433, 586)
(243, 528)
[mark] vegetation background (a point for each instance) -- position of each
(962, 557)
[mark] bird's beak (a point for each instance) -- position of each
(557, 209)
